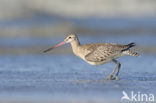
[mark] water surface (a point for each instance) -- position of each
(67, 78)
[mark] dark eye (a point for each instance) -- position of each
(69, 37)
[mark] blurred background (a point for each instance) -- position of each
(28, 27)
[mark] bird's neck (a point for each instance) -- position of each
(75, 44)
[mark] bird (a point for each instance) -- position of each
(98, 53)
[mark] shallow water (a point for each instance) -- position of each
(67, 78)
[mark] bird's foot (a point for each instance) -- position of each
(110, 77)
(116, 78)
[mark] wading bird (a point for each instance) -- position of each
(98, 53)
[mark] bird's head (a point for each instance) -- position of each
(69, 39)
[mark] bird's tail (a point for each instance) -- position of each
(131, 53)
(131, 45)
(128, 46)
(127, 51)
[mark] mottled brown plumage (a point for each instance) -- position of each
(99, 53)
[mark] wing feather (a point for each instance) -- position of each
(103, 52)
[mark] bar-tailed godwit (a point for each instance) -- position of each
(99, 53)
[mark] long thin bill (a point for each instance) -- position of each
(60, 44)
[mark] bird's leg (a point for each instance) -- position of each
(110, 77)
(118, 66)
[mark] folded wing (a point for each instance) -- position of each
(104, 51)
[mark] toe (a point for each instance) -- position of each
(116, 78)
(109, 77)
